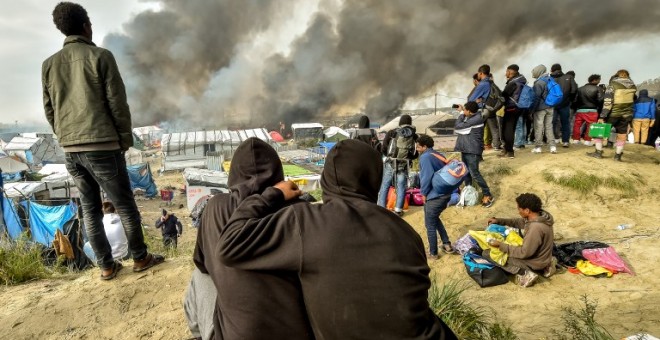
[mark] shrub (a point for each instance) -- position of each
(581, 323)
(21, 261)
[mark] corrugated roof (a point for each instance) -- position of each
(306, 126)
(421, 122)
(20, 189)
(213, 136)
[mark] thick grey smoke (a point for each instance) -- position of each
(184, 61)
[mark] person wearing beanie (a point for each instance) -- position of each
(643, 116)
(511, 93)
(618, 111)
(399, 151)
(562, 111)
(470, 128)
(543, 113)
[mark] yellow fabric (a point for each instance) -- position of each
(62, 245)
(590, 269)
(495, 253)
(500, 112)
(226, 165)
(624, 96)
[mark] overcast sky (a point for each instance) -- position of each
(29, 36)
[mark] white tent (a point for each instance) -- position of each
(307, 131)
(198, 143)
(333, 130)
(35, 149)
(10, 165)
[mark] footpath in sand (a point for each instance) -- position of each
(148, 305)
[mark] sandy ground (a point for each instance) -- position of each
(148, 305)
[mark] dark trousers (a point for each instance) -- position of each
(562, 116)
(432, 210)
(170, 241)
(472, 161)
(509, 122)
(92, 171)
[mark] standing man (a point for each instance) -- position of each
(399, 150)
(479, 95)
(562, 113)
(643, 116)
(85, 104)
(171, 228)
(618, 111)
(543, 113)
(511, 93)
(589, 99)
(470, 127)
(435, 202)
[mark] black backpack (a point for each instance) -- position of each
(403, 145)
(495, 100)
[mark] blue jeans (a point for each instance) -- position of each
(562, 116)
(91, 172)
(521, 132)
(401, 183)
(432, 210)
(472, 161)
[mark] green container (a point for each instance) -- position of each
(600, 130)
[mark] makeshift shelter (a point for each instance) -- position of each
(149, 135)
(35, 150)
(58, 182)
(202, 182)
(276, 136)
(11, 168)
(133, 156)
(335, 134)
(45, 220)
(441, 124)
(142, 180)
(188, 149)
(307, 131)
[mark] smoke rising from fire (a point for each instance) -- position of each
(195, 60)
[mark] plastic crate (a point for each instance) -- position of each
(600, 130)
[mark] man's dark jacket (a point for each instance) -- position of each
(568, 87)
(589, 96)
(250, 304)
(363, 269)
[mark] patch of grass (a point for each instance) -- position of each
(580, 323)
(460, 314)
(154, 242)
(501, 170)
(621, 183)
(21, 261)
(585, 183)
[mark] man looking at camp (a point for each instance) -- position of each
(479, 95)
(618, 111)
(536, 250)
(589, 99)
(85, 104)
(362, 270)
(562, 114)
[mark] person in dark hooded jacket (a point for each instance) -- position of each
(511, 93)
(643, 116)
(363, 270)
(562, 115)
(366, 134)
(250, 304)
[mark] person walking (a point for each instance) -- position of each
(85, 104)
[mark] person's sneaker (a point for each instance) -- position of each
(586, 143)
(487, 201)
(617, 157)
(564, 144)
(575, 141)
(448, 249)
(510, 155)
(432, 257)
(537, 150)
(527, 279)
(399, 213)
(502, 154)
(551, 269)
(553, 149)
(497, 149)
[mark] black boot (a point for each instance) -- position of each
(596, 154)
(617, 157)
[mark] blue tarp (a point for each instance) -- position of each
(11, 177)
(44, 220)
(11, 218)
(140, 176)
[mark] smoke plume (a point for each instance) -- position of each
(186, 60)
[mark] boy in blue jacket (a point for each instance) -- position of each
(470, 143)
(435, 202)
(643, 116)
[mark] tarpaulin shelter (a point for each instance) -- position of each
(307, 131)
(141, 178)
(45, 220)
(35, 149)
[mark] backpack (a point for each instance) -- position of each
(367, 135)
(403, 146)
(469, 197)
(526, 98)
(495, 100)
(483, 272)
(450, 177)
(555, 94)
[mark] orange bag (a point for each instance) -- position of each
(391, 200)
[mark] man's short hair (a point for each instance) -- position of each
(485, 69)
(555, 67)
(529, 201)
(69, 18)
(425, 140)
(593, 78)
(472, 106)
(108, 208)
(623, 74)
(571, 73)
(513, 67)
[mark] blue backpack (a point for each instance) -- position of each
(526, 98)
(555, 94)
(450, 177)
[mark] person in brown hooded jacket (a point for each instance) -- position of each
(249, 304)
(538, 240)
(363, 270)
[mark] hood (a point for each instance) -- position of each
(405, 120)
(353, 170)
(557, 74)
(538, 71)
(254, 167)
(626, 82)
(643, 94)
(545, 218)
(518, 79)
(363, 123)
